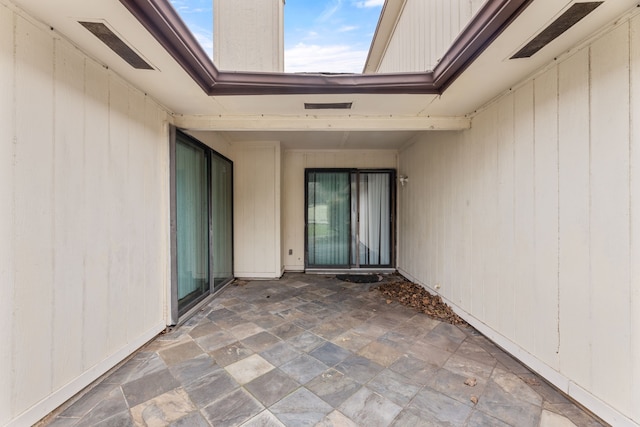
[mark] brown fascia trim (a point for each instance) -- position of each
(163, 22)
(488, 23)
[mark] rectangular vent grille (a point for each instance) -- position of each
(116, 44)
(567, 20)
(328, 106)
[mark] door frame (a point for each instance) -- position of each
(353, 172)
(175, 314)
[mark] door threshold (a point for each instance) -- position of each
(350, 270)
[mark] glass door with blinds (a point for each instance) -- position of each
(202, 241)
(349, 218)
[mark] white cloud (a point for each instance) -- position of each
(327, 59)
(369, 3)
(204, 38)
(184, 6)
(347, 28)
(330, 10)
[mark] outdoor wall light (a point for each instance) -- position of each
(403, 179)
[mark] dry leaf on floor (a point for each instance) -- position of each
(474, 400)
(415, 296)
(471, 382)
(531, 381)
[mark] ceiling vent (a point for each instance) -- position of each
(565, 21)
(108, 37)
(328, 105)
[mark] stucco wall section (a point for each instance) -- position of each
(83, 236)
(529, 221)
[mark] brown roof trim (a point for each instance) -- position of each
(488, 23)
(162, 21)
(243, 83)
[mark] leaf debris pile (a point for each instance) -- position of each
(417, 297)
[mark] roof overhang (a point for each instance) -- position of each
(162, 21)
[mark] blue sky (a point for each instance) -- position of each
(320, 35)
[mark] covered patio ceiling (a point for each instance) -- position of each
(474, 70)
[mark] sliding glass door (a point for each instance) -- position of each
(222, 220)
(349, 218)
(192, 222)
(374, 225)
(202, 211)
(328, 218)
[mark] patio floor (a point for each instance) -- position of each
(310, 350)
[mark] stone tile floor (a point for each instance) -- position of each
(311, 350)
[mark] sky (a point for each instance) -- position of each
(319, 35)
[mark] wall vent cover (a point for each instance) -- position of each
(565, 21)
(115, 43)
(328, 105)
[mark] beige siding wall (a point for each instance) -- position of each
(249, 35)
(83, 235)
(529, 222)
(294, 164)
(214, 140)
(417, 45)
(257, 210)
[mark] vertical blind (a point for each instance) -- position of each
(375, 222)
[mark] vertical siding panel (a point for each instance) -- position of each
(410, 207)
(264, 202)
(505, 217)
(546, 217)
(425, 225)
(437, 22)
(96, 289)
(635, 212)
(257, 217)
(68, 214)
(443, 214)
(451, 217)
(434, 178)
(610, 217)
(455, 19)
(491, 231)
(475, 5)
(467, 225)
(238, 210)
(447, 31)
(156, 190)
(573, 157)
(422, 41)
(524, 208)
(135, 202)
(33, 216)
(464, 13)
(7, 185)
(293, 212)
(458, 215)
(478, 242)
(425, 30)
(118, 220)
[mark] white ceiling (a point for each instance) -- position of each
(490, 74)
